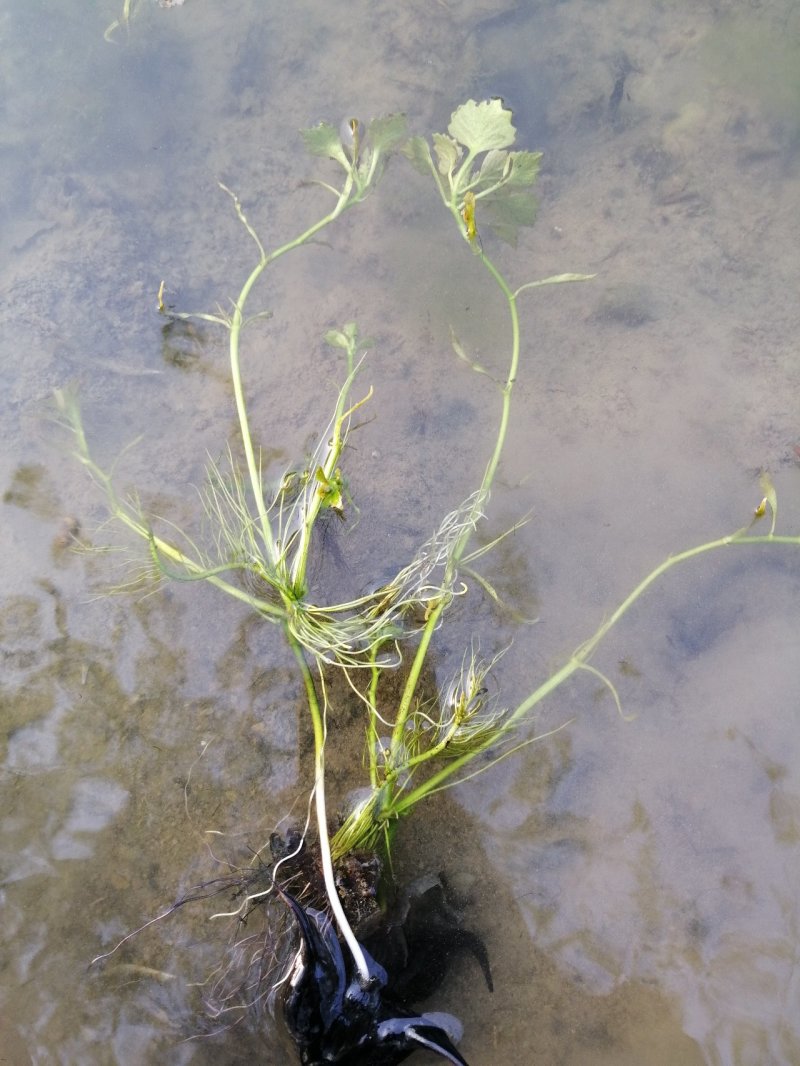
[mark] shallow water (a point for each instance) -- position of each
(636, 881)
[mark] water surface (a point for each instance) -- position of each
(636, 882)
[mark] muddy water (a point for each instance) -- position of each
(636, 881)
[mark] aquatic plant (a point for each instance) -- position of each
(129, 9)
(263, 529)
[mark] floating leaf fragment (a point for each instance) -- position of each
(459, 350)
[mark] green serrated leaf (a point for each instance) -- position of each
(481, 127)
(493, 168)
(386, 132)
(418, 153)
(447, 151)
(524, 168)
(508, 213)
(324, 140)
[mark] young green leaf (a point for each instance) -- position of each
(350, 330)
(770, 496)
(493, 169)
(481, 127)
(447, 151)
(336, 339)
(385, 133)
(507, 211)
(325, 141)
(524, 168)
(346, 338)
(418, 153)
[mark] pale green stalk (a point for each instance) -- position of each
(494, 460)
(236, 323)
(329, 471)
(394, 803)
(298, 571)
(318, 722)
(158, 545)
(486, 484)
(577, 661)
(372, 726)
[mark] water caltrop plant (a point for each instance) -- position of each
(263, 524)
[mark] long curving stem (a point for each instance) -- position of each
(480, 499)
(236, 323)
(577, 661)
(318, 720)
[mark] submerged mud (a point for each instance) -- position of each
(634, 882)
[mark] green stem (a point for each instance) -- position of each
(457, 178)
(507, 388)
(372, 727)
(318, 721)
(576, 662)
(237, 320)
(486, 484)
(121, 512)
(586, 650)
(335, 446)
